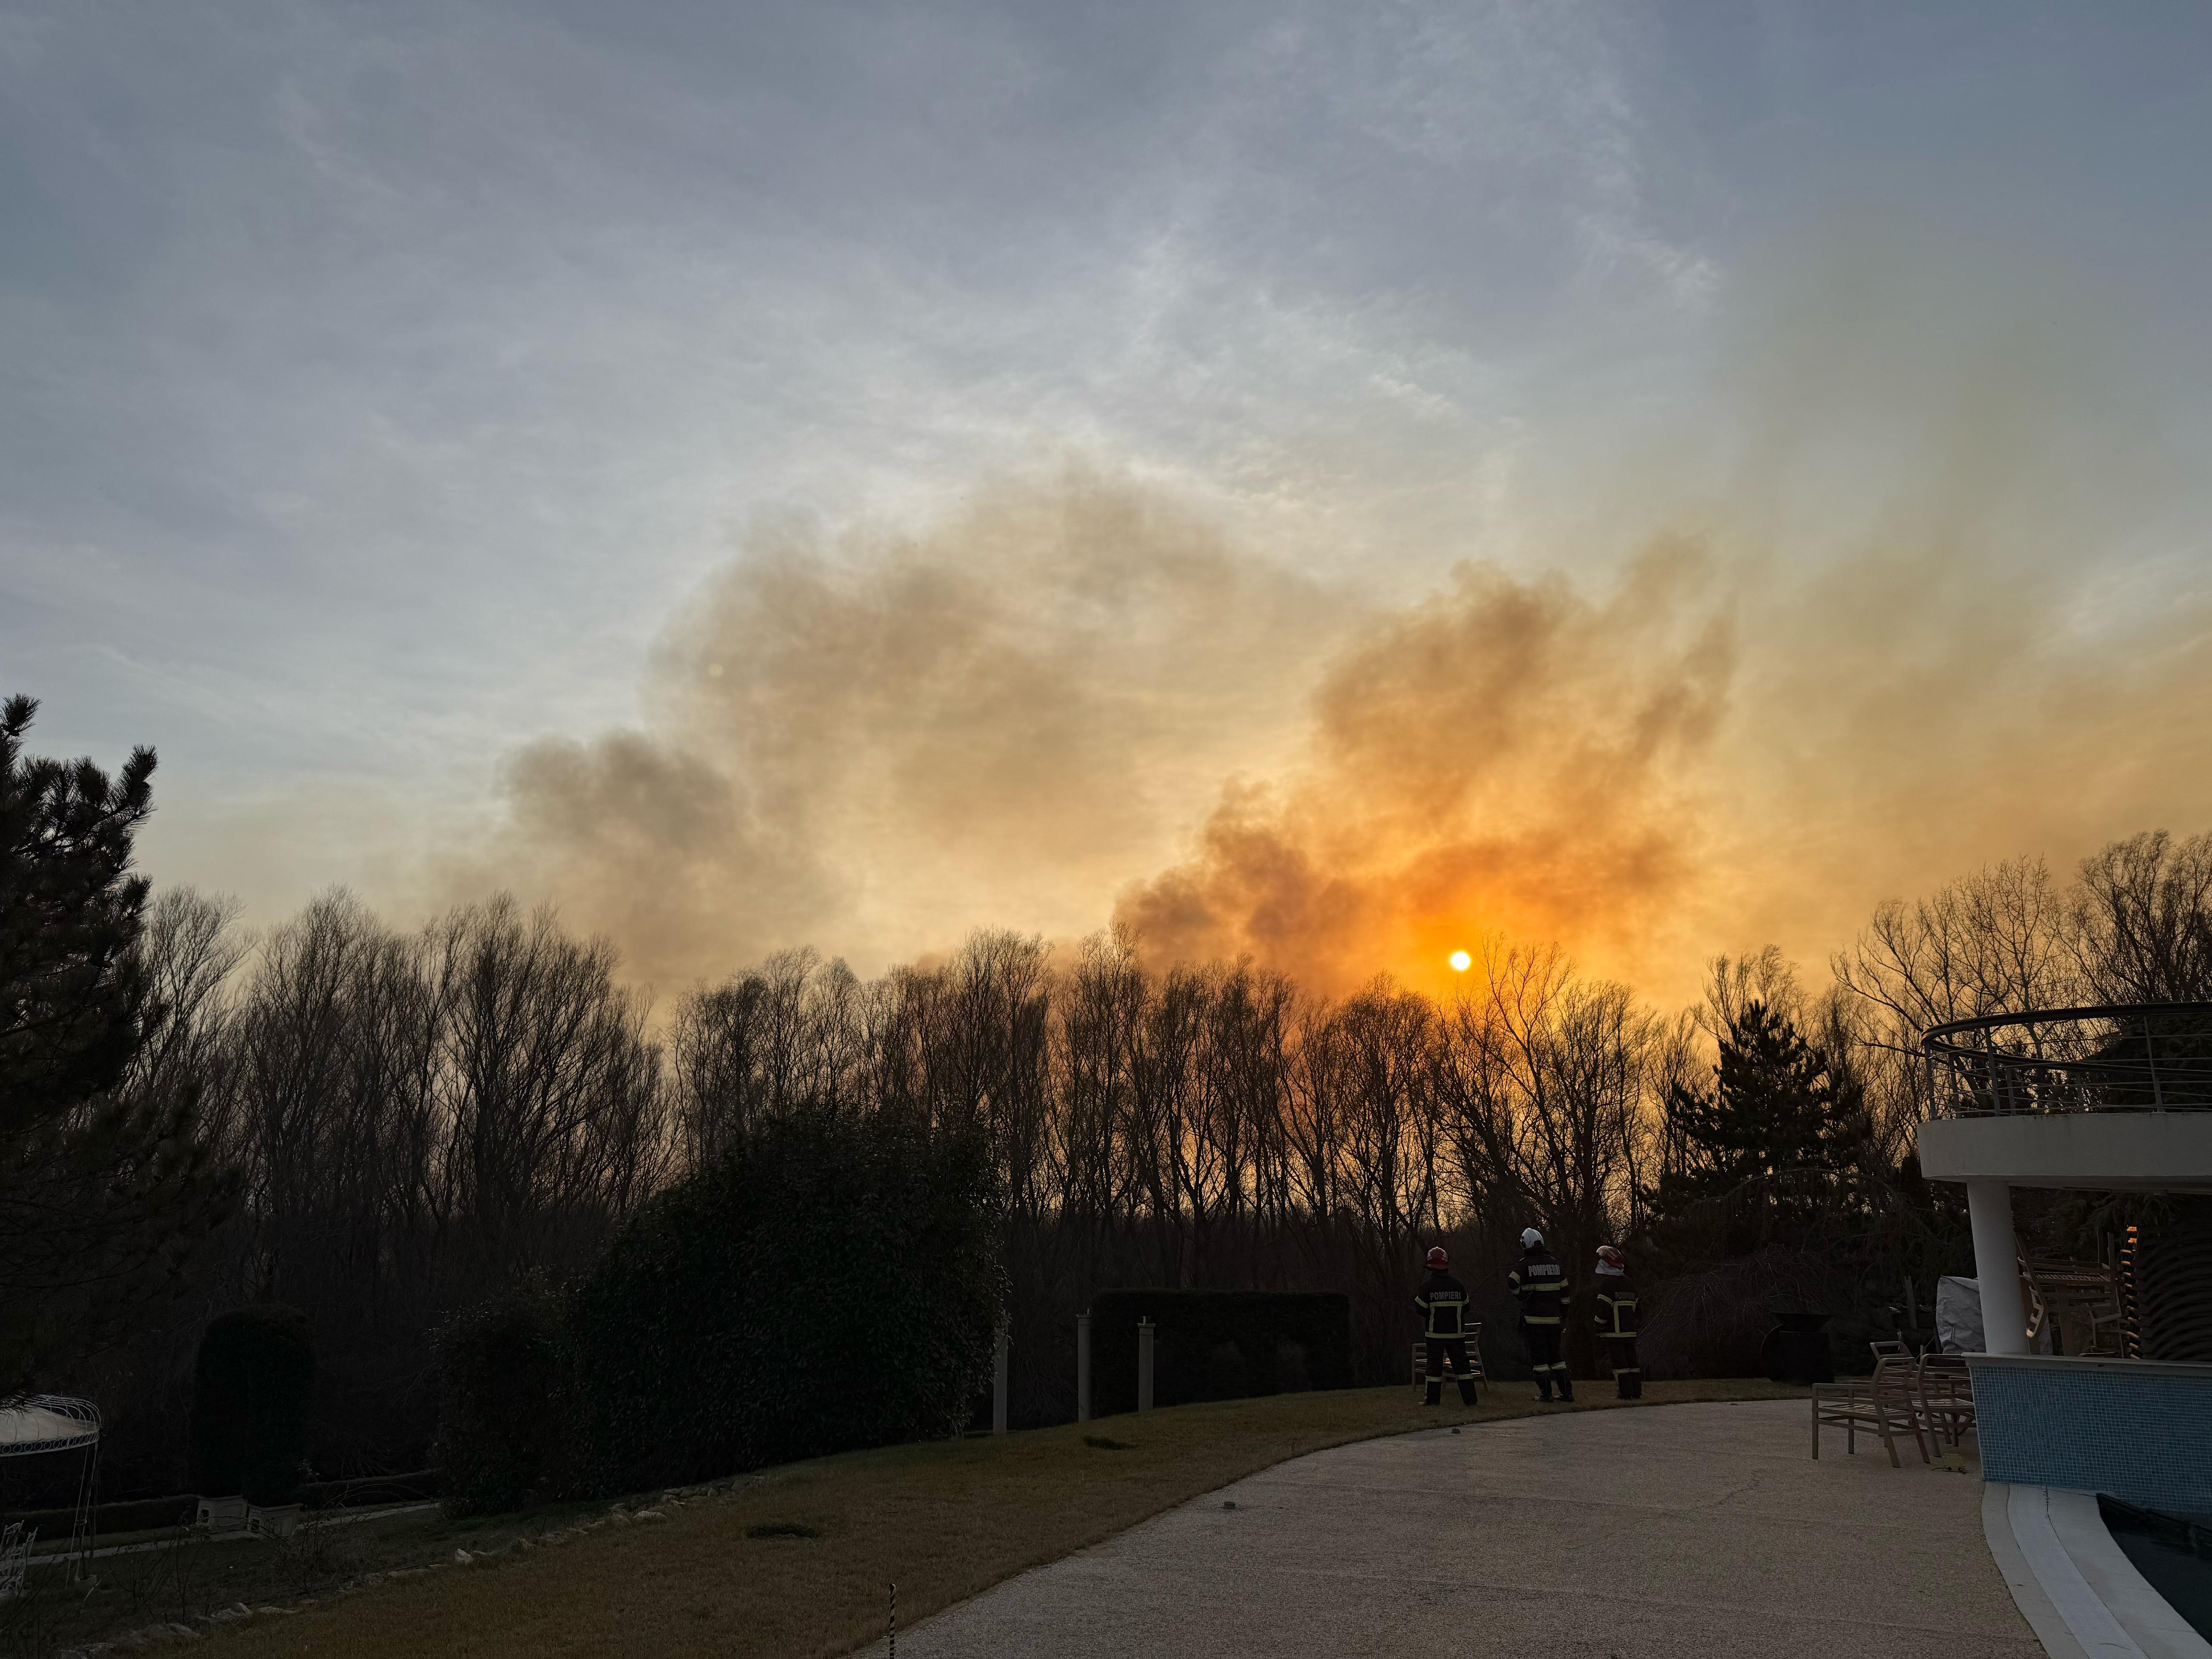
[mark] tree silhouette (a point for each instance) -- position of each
(102, 1199)
(1770, 1144)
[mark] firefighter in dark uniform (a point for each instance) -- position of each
(1442, 1303)
(1540, 1285)
(1616, 1321)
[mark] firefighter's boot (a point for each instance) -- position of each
(1544, 1387)
(1566, 1388)
(1466, 1395)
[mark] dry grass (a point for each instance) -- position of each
(734, 1570)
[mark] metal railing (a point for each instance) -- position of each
(2123, 1057)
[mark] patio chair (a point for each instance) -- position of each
(1946, 1391)
(1884, 1403)
(1473, 1358)
(15, 1543)
(2076, 1302)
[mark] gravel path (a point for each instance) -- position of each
(1701, 1531)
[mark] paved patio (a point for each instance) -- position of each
(1702, 1531)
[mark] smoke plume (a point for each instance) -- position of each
(1903, 606)
(874, 743)
(1507, 757)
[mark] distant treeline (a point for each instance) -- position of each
(420, 1121)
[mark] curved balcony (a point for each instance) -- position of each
(2122, 1057)
(2113, 1098)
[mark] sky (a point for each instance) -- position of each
(1328, 482)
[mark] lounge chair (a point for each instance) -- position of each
(1885, 1403)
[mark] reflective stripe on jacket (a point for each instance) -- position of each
(1442, 1303)
(1540, 1283)
(1616, 1307)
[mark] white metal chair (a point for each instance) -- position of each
(15, 1541)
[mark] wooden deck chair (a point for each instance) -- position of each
(2076, 1302)
(1474, 1359)
(1946, 1392)
(1884, 1403)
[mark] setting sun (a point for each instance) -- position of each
(1460, 960)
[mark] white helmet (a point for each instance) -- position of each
(1530, 1238)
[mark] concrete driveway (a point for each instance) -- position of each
(1692, 1530)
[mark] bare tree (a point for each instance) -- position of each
(781, 1040)
(551, 1087)
(2141, 920)
(1993, 942)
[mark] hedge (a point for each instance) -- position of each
(831, 1284)
(828, 1285)
(505, 1409)
(1218, 1344)
(178, 1510)
(128, 1515)
(250, 1391)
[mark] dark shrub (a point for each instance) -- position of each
(1709, 1323)
(1715, 1321)
(1228, 1373)
(827, 1285)
(505, 1429)
(1218, 1344)
(250, 1392)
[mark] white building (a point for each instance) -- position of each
(2111, 1100)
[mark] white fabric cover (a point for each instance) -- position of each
(35, 1426)
(1959, 1314)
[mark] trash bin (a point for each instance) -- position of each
(1796, 1349)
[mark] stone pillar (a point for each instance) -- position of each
(998, 1386)
(1996, 1267)
(1083, 1368)
(1145, 1329)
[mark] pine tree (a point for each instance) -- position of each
(103, 1201)
(1771, 1142)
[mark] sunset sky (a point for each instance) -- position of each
(1329, 482)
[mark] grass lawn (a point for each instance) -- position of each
(794, 1561)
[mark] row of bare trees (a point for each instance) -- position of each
(416, 1119)
(420, 1118)
(1212, 1127)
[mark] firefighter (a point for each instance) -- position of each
(1616, 1321)
(1442, 1303)
(1540, 1285)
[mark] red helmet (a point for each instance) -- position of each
(1612, 1258)
(1438, 1259)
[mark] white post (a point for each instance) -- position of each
(1996, 1265)
(1082, 1367)
(998, 1386)
(1144, 1328)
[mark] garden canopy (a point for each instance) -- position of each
(47, 1423)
